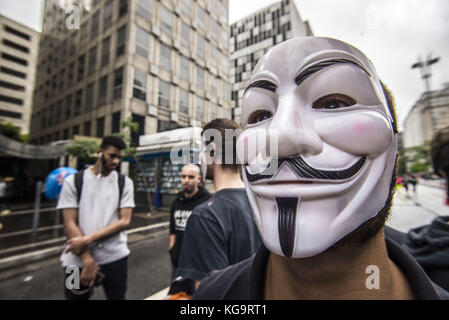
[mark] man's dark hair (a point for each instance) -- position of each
(113, 141)
(221, 125)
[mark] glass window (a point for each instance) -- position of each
(100, 127)
(116, 117)
(118, 83)
(92, 59)
(213, 85)
(213, 55)
(89, 96)
(166, 20)
(123, 7)
(144, 9)
(76, 130)
(165, 60)
(140, 84)
(199, 108)
(71, 74)
(142, 42)
(103, 90)
(200, 45)
(81, 62)
(213, 111)
(78, 102)
(106, 47)
(185, 7)
(68, 107)
(108, 14)
(200, 77)
(185, 34)
(121, 39)
(164, 94)
(94, 25)
(200, 17)
(185, 68)
(183, 102)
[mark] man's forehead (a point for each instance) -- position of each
(288, 57)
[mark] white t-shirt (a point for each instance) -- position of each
(98, 208)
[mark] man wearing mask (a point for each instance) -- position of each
(321, 197)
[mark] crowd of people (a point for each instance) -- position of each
(303, 220)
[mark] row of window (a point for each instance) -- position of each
(16, 32)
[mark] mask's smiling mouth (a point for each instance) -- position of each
(305, 172)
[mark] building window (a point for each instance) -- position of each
(68, 107)
(100, 127)
(103, 90)
(65, 134)
(116, 117)
(106, 47)
(164, 94)
(10, 114)
(200, 46)
(213, 85)
(17, 33)
(186, 7)
(144, 9)
(71, 74)
(185, 34)
(11, 58)
(94, 25)
(13, 72)
(166, 20)
(78, 102)
(185, 69)
(199, 77)
(199, 108)
(141, 123)
(140, 85)
(183, 102)
(213, 55)
(51, 112)
(81, 62)
(142, 42)
(89, 97)
(59, 110)
(212, 111)
(165, 58)
(12, 100)
(123, 7)
(92, 59)
(11, 86)
(86, 128)
(200, 17)
(76, 130)
(108, 14)
(15, 46)
(118, 83)
(121, 39)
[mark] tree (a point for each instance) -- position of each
(11, 131)
(83, 148)
(415, 159)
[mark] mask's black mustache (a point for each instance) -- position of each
(287, 224)
(302, 169)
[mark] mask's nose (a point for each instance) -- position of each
(292, 130)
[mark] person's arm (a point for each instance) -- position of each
(90, 268)
(78, 243)
(172, 241)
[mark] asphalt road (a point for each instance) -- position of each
(148, 272)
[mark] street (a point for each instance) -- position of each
(149, 264)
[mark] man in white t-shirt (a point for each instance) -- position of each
(95, 222)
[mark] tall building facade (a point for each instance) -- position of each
(165, 63)
(254, 35)
(18, 57)
(429, 114)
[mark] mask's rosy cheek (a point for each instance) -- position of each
(359, 133)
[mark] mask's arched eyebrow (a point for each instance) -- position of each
(264, 84)
(321, 65)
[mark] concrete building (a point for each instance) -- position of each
(165, 63)
(254, 35)
(18, 57)
(429, 114)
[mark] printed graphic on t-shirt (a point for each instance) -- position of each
(181, 217)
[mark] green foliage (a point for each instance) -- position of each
(128, 126)
(415, 159)
(11, 131)
(83, 149)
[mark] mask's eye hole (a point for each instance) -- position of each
(333, 101)
(259, 115)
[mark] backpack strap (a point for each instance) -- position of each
(121, 185)
(79, 183)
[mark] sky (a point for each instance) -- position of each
(392, 33)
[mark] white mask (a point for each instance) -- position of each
(336, 146)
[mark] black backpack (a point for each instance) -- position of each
(79, 184)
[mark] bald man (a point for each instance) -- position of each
(191, 196)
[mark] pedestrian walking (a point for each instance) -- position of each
(192, 195)
(97, 205)
(221, 231)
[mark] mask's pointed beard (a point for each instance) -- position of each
(287, 224)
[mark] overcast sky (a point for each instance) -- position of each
(392, 33)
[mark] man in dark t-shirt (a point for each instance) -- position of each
(191, 196)
(221, 231)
